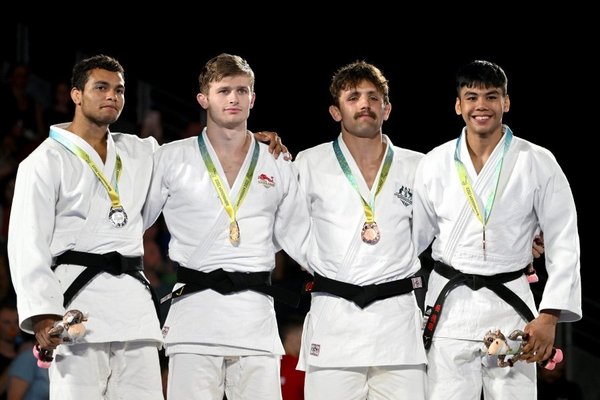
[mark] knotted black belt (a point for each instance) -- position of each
(113, 263)
(362, 296)
(225, 282)
(474, 282)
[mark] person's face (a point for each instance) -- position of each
(102, 98)
(228, 101)
(362, 110)
(482, 109)
(9, 324)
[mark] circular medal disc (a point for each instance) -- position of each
(234, 233)
(118, 217)
(370, 233)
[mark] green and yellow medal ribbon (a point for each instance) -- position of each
(369, 207)
(113, 192)
(220, 187)
(484, 216)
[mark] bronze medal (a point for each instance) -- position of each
(370, 233)
(234, 233)
(118, 217)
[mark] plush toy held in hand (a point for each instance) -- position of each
(498, 345)
(69, 329)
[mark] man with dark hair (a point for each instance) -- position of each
(483, 197)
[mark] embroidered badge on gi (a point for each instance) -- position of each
(315, 349)
(417, 282)
(266, 181)
(165, 330)
(405, 195)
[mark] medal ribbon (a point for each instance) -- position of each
(218, 184)
(468, 189)
(368, 207)
(113, 192)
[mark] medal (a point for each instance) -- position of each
(234, 233)
(118, 217)
(370, 233)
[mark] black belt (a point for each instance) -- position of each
(362, 296)
(113, 263)
(474, 282)
(225, 282)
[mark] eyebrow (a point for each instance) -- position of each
(487, 92)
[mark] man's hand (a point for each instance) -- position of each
(275, 145)
(41, 326)
(541, 332)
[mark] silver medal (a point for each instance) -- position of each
(118, 217)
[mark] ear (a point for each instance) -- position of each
(76, 96)
(252, 99)
(387, 109)
(506, 103)
(457, 107)
(202, 100)
(335, 113)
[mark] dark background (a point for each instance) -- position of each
(550, 63)
(549, 54)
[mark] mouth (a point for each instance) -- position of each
(233, 110)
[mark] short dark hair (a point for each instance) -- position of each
(481, 73)
(81, 70)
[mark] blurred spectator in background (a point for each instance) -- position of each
(21, 116)
(8, 156)
(21, 113)
(62, 107)
(27, 381)
(9, 330)
(152, 126)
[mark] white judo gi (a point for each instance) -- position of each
(532, 193)
(338, 334)
(59, 205)
(273, 215)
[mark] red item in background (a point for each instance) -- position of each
(292, 380)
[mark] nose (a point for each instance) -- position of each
(481, 102)
(233, 98)
(363, 103)
(112, 94)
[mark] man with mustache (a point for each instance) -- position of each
(362, 336)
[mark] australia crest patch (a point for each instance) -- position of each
(405, 195)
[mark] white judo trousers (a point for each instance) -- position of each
(106, 371)
(201, 377)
